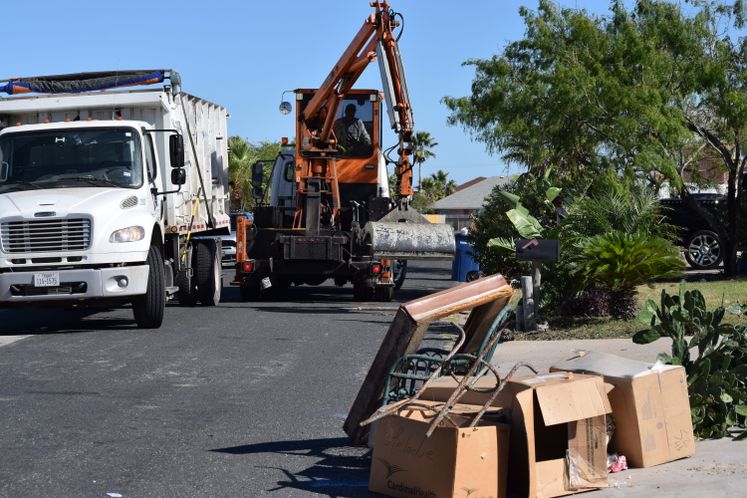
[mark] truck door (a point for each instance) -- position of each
(151, 169)
(283, 184)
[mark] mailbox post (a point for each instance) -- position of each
(536, 251)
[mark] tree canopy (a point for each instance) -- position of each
(650, 92)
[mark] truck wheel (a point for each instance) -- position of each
(398, 272)
(208, 276)
(185, 280)
(187, 294)
(384, 293)
(148, 309)
(363, 291)
(703, 250)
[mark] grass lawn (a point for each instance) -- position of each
(716, 293)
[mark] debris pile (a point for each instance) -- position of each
(450, 425)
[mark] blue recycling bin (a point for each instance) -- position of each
(464, 261)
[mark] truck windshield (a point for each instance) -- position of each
(354, 127)
(98, 157)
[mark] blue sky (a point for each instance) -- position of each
(243, 54)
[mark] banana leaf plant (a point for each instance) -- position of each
(526, 225)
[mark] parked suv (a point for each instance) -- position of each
(703, 246)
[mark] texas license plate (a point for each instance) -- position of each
(47, 279)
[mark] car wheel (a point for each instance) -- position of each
(703, 250)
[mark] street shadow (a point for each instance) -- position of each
(325, 295)
(339, 470)
(59, 321)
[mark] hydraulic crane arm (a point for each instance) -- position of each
(375, 40)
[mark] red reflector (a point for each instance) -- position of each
(247, 266)
(375, 269)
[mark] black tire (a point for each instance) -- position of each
(472, 275)
(703, 250)
(148, 309)
(187, 293)
(363, 291)
(208, 273)
(399, 272)
(384, 293)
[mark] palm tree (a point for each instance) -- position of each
(242, 155)
(240, 159)
(445, 186)
(422, 143)
(437, 186)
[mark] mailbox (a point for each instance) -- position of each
(537, 250)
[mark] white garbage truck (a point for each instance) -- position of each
(111, 195)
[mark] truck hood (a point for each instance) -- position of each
(62, 201)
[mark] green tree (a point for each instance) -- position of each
(242, 155)
(435, 187)
(422, 143)
(648, 92)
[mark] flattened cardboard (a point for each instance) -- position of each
(454, 461)
(485, 297)
(650, 407)
(552, 454)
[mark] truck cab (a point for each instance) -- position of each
(76, 193)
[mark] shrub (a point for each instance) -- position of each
(717, 374)
(489, 223)
(622, 261)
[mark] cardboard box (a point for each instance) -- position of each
(454, 461)
(558, 430)
(650, 407)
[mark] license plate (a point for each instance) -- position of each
(47, 279)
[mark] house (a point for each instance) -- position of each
(467, 199)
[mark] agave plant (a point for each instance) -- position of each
(622, 261)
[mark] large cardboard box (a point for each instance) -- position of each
(558, 430)
(650, 407)
(454, 461)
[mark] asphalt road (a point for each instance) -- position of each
(243, 399)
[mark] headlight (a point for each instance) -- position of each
(129, 234)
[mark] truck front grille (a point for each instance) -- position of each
(46, 235)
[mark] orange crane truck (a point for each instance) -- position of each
(327, 212)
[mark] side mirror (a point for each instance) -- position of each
(178, 176)
(285, 107)
(257, 193)
(176, 151)
(4, 168)
(258, 174)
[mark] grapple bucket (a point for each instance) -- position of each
(407, 240)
